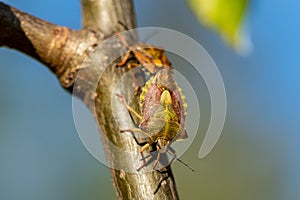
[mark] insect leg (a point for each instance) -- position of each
(168, 173)
(140, 131)
(146, 146)
(128, 107)
(124, 59)
(175, 157)
(157, 160)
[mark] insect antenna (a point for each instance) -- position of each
(185, 164)
(150, 35)
(126, 27)
(172, 151)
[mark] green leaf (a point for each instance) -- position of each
(224, 16)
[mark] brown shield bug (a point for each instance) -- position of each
(150, 57)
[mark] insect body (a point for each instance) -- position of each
(163, 111)
(151, 57)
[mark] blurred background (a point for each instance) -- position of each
(41, 156)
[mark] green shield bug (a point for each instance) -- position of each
(162, 117)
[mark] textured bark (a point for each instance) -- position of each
(66, 52)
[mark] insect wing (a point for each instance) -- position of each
(151, 101)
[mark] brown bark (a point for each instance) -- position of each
(65, 52)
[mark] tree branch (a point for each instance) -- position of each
(104, 15)
(59, 48)
(65, 52)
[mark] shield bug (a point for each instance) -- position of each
(150, 57)
(162, 118)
